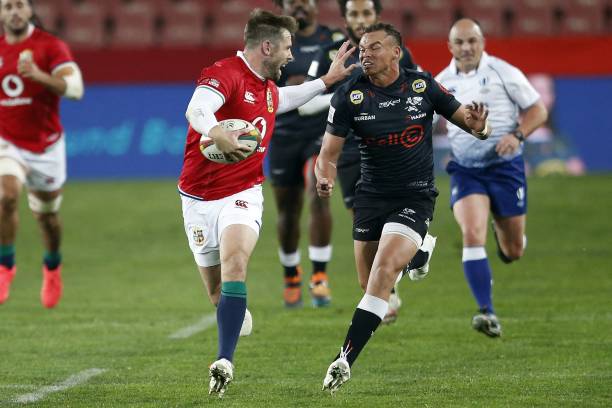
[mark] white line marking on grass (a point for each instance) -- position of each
(204, 323)
(18, 386)
(72, 381)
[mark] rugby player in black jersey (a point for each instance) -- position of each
(293, 149)
(390, 110)
(358, 15)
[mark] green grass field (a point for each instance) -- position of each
(130, 283)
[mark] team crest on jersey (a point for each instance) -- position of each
(269, 100)
(197, 235)
(337, 36)
(332, 54)
(356, 97)
(419, 85)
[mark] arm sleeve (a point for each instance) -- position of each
(443, 101)
(518, 87)
(201, 109)
(338, 118)
(290, 97)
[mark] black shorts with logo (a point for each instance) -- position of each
(373, 212)
(288, 156)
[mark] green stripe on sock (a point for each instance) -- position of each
(7, 250)
(234, 289)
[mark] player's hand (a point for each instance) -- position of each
(324, 188)
(508, 144)
(337, 71)
(29, 70)
(476, 118)
(227, 143)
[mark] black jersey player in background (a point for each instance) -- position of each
(358, 15)
(293, 149)
(390, 110)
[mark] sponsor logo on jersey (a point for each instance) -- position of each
(269, 100)
(212, 82)
(419, 85)
(310, 48)
(364, 116)
(197, 236)
(332, 54)
(409, 137)
(386, 104)
(408, 211)
(414, 100)
(242, 204)
(356, 97)
(249, 97)
(337, 36)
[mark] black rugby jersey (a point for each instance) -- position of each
(291, 124)
(320, 65)
(393, 128)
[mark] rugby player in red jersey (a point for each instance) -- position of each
(36, 70)
(222, 203)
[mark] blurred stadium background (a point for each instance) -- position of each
(140, 59)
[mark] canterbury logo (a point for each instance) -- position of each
(242, 204)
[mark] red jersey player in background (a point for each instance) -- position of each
(36, 70)
(223, 203)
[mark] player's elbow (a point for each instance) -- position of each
(74, 85)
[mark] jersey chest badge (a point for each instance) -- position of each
(419, 85)
(356, 97)
(269, 100)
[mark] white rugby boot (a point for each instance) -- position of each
(221, 373)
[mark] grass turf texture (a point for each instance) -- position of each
(130, 282)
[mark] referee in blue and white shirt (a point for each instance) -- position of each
(489, 176)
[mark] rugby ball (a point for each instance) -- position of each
(249, 137)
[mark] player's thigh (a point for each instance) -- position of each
(507, 188)
(289, 200)
(200, 219)
(472, 213)
(365, 252)
(395, 250)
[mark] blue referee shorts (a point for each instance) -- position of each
(504, 183)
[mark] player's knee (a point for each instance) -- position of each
(515, 250)
(8, 202)
(386, 270)
(473, 235)
(234, 266)
(40, 206)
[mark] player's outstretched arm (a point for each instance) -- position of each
(473, 119)
(325, 167)
(66, 81)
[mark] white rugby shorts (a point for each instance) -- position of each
(44, 171)
(205, 221)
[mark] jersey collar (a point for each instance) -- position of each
(240, 55)
(484, 60)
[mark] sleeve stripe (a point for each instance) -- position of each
(214, 90)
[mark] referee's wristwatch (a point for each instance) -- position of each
(518, 134)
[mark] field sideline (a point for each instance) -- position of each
(130, 284)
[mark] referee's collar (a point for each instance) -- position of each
(484, 59)
(240, 55)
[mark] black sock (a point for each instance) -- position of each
(362, 327)
(318, 266)
(419, 259)
(290, 271)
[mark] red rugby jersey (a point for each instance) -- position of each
(29, 113)
(246, 96)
